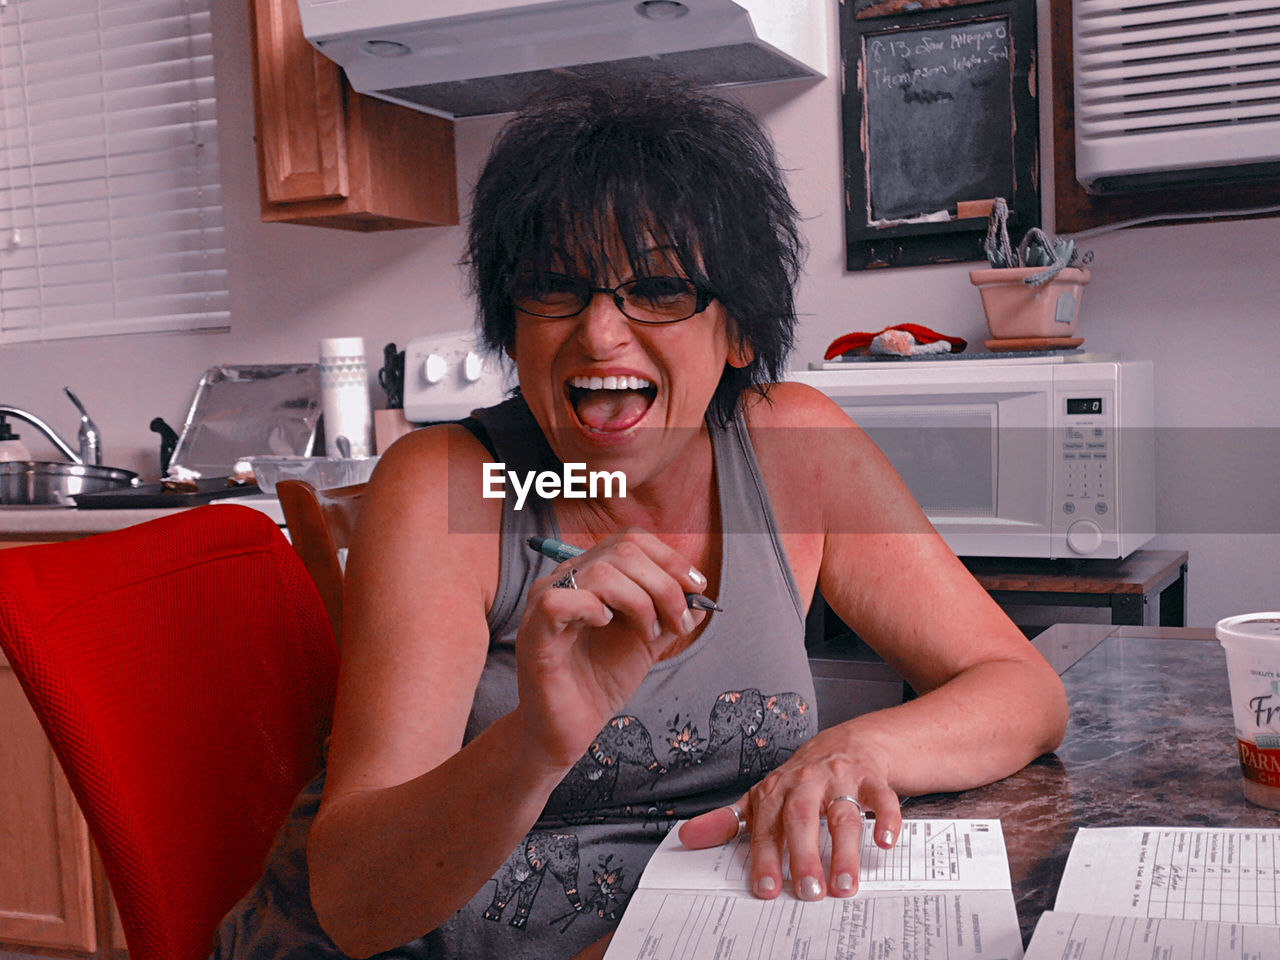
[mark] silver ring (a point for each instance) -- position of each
(742, 819)
(567, 582)
(862, 814)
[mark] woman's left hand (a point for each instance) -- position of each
(784, 812)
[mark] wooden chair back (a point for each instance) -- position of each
(320, 524)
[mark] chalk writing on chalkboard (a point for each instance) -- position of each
(939, 116)
(940, 93)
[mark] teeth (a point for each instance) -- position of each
(610, 383)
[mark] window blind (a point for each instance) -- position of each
(110, 207)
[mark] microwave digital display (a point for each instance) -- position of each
(1083, 405)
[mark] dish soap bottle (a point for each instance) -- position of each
(11, 447)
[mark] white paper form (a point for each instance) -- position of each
(943, 893)
(1191, 873)
(929, 855)
(695, 925)
(1091, 937)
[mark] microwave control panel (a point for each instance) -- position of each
(1085, 491)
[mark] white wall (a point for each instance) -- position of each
(1199, 300)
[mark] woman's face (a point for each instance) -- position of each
(615, 393)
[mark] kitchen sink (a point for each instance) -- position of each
(53, 484)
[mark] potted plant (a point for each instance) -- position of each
(1032, 292)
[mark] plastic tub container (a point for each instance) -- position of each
(320, 472)
(1252, 645)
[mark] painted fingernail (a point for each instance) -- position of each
(657, 629)
(766, 884)
(842, 882)
(809, 888)
(608, 615)
(696, 576)
(886, 837)
(686, 621)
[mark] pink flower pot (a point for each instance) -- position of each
(1017, 310)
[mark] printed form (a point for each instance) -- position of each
(1177, 893)
(941, 893)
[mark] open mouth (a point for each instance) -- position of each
(610, 404)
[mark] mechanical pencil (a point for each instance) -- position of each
(560, 552)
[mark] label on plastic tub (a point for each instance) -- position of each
(1258, 764)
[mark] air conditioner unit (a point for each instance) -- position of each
(1175, 91)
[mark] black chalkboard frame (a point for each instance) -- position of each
(871, 244)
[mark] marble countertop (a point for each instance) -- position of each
(1150, 742)
(61, 523)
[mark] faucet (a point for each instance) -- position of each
(88, 436)
(90, 440)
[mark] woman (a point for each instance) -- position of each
(514, 734)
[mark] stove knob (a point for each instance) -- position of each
(472, 367)
(434, 368)
(1084, 537)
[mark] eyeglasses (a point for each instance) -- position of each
(655, 300)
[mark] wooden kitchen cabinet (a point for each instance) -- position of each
(47, 897)
(54, 894)
(328, 156)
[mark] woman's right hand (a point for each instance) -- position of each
(582, 652)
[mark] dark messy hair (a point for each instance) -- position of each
(644, 160)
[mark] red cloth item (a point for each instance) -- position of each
(184, 670)
(862, 341)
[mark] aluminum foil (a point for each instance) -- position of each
(246, 410)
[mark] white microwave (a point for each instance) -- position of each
(1044, 456)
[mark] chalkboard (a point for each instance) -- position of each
(931, 94)
(939, 119)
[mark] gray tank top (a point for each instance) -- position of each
(703, 726)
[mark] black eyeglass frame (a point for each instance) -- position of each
(587, 291)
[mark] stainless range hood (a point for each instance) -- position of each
(473, 57)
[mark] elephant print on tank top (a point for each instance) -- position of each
(770, 728)
(521, 876)
(590, 784)
(579, 797)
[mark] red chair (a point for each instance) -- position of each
(184, 671)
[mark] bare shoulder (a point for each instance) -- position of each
(430, 452)
(796, 428)
(816, 458)
(791, 404)
(431, 465)
(424, 502)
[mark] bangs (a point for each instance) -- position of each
(604, 219)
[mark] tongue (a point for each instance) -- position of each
(611, 409)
